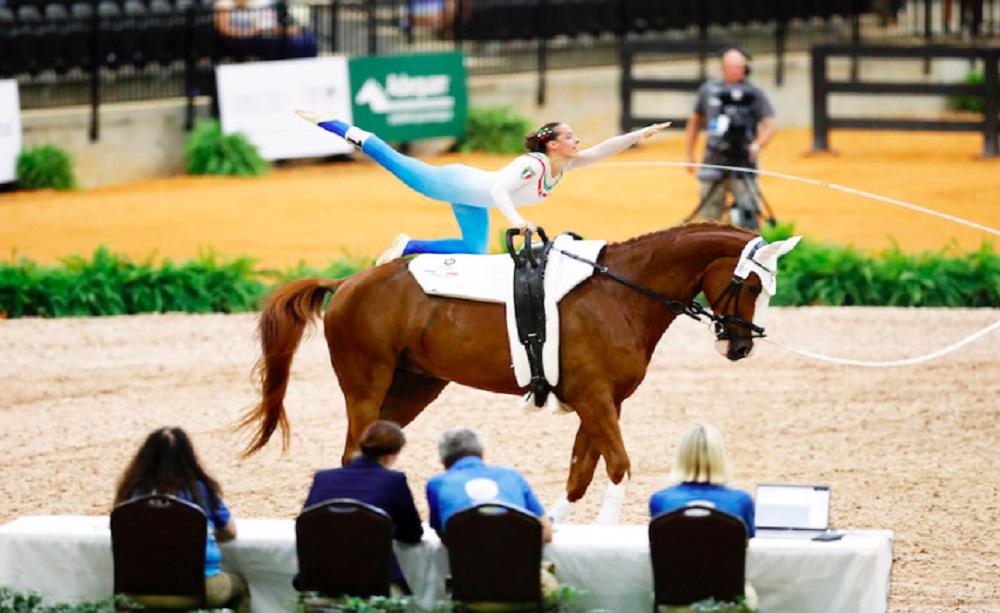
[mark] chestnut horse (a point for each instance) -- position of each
(395, 348)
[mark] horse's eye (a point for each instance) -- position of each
(754, 290)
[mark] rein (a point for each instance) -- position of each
(694, 310)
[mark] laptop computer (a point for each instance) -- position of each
(792, 511)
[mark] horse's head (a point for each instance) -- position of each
(739, 296)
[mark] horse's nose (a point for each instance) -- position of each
(739, 352)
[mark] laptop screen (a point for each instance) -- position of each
(797, 507)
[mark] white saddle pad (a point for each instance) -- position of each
(490, 278)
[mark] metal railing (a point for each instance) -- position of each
(99, 51)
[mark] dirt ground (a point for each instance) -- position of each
(911, 449)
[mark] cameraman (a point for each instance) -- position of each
(747, 123)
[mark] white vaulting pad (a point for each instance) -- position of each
(490, 278)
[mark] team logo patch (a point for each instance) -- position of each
(527, 173)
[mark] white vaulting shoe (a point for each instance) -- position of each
(394, 251)
(317, 117)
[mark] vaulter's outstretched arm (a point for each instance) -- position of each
(615, 145)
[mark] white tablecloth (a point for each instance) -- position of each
(68, 559)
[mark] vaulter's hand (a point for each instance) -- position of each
(654, 128)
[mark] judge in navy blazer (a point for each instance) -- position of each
(369, 479)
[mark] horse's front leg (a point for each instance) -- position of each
(581, 473)
(600, 420)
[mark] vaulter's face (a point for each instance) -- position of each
(564, 143)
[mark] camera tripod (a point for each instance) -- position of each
(739, 213)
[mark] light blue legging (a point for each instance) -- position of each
(454, 183)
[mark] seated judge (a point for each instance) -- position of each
(369, 478)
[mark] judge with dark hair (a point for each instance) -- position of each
(167, 464)
(369, 478)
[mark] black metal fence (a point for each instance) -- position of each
(72, 52)
(988, 92)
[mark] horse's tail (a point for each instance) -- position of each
(289, 309)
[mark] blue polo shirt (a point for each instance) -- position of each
(732, 501)
(470, 481)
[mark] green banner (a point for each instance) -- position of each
(409, 97)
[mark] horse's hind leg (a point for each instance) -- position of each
(408, 395)
(364, 387)
(581, 473)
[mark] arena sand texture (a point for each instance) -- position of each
(911, 449)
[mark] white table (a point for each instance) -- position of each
(68, 559)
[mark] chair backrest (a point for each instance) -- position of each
(495, 554)
(344, 548)
(158, 543)
(697, 553)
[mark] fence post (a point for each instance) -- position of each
(189, 66)
(372, 28)
(95, 76)
(855, 37)
(625, 58)
(991, 103)
(927, 34)
(334, 20)
(821, 123)
(541, 31)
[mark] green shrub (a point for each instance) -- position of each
(494, 130)
(31, 602)
(970, 103)
(210, 152)
(832, 275)
(812, 274)
(45, 167)
(113, 284)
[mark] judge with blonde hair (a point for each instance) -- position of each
(700, 476)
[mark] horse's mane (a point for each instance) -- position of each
(703, 226)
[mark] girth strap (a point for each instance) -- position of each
(529, 307)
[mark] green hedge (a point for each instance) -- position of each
(812, 274)
(816, 274)
(114, 284)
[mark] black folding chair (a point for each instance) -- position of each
(158, 543)
(495, 554)
(697, 553)
(344, 548)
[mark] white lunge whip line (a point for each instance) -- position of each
(849, 190)
(835, 360)
(906, 362)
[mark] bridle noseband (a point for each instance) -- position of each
(695, 311)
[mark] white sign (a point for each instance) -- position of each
(259, 99)
(10, 130)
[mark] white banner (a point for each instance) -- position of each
(259, 99)
(10, 130)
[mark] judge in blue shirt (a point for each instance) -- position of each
(468, 480)
(701, 472)
(370, 479)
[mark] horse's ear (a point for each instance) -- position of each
(770, 253)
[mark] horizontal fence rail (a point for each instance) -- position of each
(988, 91)
(73, 52)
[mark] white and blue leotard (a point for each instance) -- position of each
(471, 191)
